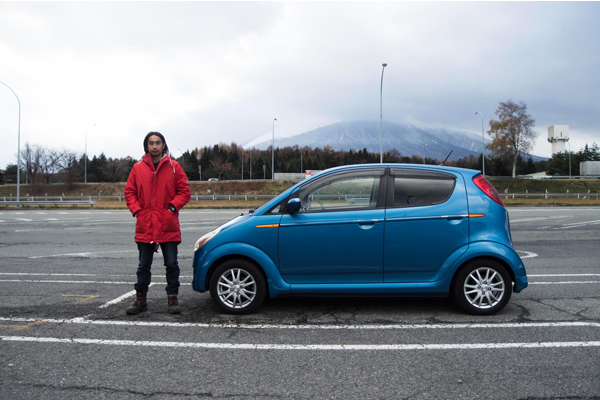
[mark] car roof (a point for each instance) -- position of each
(465, 171)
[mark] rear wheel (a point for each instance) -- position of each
(238, 287)
(482, 287)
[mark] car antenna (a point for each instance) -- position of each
(447, 157)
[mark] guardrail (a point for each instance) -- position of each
(47, 203)
(64, 200)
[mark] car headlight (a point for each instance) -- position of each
(202, 241)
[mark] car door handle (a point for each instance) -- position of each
(454, 216)
(367, 221)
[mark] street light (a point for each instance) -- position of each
(381, 116)
(424, 153)
(483, 144)
(242, 163)
(18, 145)
(85, 156)
(273, 152)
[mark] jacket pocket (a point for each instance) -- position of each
(171, 221)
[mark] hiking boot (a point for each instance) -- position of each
(138, 305)
(173, 305)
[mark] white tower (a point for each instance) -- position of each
(558, 135)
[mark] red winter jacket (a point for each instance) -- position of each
(150, 192)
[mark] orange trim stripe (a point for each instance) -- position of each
(268, 226)
(476, 215)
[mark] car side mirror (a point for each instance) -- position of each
(293, 205)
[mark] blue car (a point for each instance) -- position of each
(370, 230)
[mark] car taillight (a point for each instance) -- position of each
(487, 188)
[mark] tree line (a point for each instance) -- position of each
(512, 136)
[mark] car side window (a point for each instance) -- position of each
(421, 188)
(344, 191)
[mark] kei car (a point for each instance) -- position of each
(369, 230)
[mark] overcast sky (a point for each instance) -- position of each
(203, 73)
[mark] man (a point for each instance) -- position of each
(156, 190)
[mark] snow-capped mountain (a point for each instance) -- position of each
(407, 139)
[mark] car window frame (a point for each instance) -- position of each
(381, 196)
(391, 182)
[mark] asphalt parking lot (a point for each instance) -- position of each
(66, 278)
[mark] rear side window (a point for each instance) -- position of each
(421, 188)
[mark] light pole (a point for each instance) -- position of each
(273, 152)
(199, 166)
(483, 144)
(242, 163)
(18, 144)
(85, 156)
(250, 164)
(569, 143)
(424, 153)
(381, 116)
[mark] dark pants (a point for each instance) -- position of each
(144, 275)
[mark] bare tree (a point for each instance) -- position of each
(49, 163)
(69, 164)
(512, 133)
(30, 160)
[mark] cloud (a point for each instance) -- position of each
(206, 72)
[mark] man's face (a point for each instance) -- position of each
(155, 146)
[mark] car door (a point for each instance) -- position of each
(337, 236)
(427, 225)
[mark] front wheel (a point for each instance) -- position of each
(482, 287)
(238, 287)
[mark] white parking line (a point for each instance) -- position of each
(102, 275)
(565, 283)
(578, 224)
(85, 254)
(500, 325)
(528, 254)
(313, 347)
(539, 218)
(78, 282)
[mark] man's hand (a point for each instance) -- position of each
(156, 247)
(172, 208)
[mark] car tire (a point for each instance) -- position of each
(238, 287)
(482, 287)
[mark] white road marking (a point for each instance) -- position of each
(78, 282)
(565, 283)
(125, 296)
(546, 275)
(119, 299)
(52, 219)
(102, 275)
(85, 254)
(578, 224)
(23, 219)
(528, 254)
(51, 281)
(319, 347)
(539, 218)
(500, 325)
(41, 213)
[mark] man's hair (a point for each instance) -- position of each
(160, 135)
